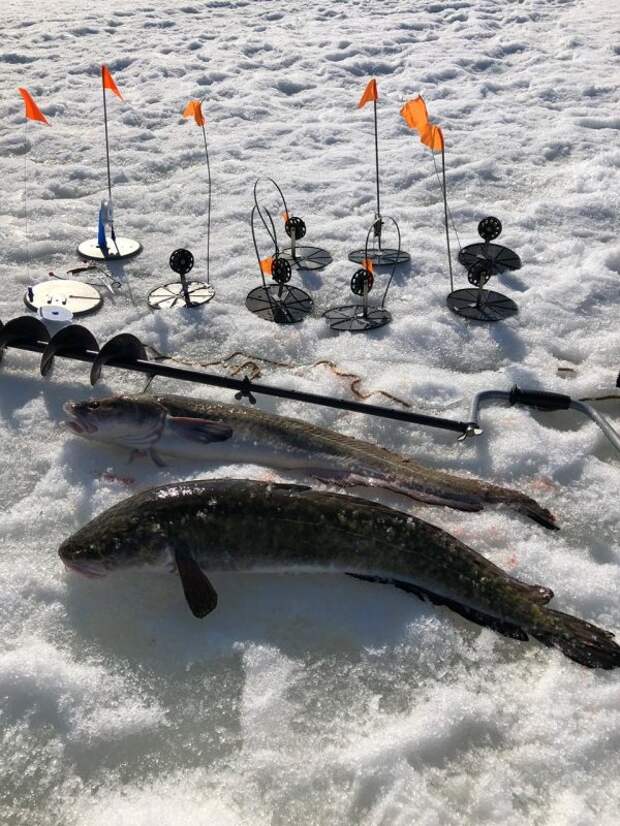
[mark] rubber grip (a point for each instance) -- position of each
(540, 399)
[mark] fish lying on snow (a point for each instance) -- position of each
(196, 528)
(233, 434)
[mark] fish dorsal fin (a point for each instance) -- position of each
(202, 431)
(201, 596)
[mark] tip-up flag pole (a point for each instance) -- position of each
(97, 249)
(378, 255)
(415, 114)
(194, 110)
(371, 93)
(31, 112)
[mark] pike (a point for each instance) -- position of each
(223, 525)
(231, 434)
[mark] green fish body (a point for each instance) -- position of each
(203, 527)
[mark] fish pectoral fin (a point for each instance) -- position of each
(201, 596)
(501, 626)
(202, 431)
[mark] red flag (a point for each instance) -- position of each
(370, 93)
(108, 82)
(194, 110)
(32, 110)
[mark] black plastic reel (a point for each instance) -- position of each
(355, 318)
(479, 273)
(481, 305)
(281, 270)
(295, 227)
(181, 293)
(498, 257)
(281, 304)
(181, 261)
(362, 281)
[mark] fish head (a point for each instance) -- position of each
(118, 539)
(133, 421)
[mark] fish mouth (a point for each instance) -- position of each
(79, 423)
(87, 569)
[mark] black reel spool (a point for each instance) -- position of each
(499, 258)
(279, 302)
(479, 304)
(295, 228)
(362, 282)
(304, 257)
(360, 318)
(281, 271)
(181, 293)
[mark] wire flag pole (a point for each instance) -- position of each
(378, 229)
(445, 209)
(204, 137)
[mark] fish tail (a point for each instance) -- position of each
(579, 640)
(521, 503)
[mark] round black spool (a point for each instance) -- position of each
(295, 227)
(281, 270)
(490, 228)
(362, 281)
(181, 293)
(498, 257)
(181, 261)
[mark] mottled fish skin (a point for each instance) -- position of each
(287, 443)
(247, 526)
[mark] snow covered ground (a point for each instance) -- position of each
(313, 700)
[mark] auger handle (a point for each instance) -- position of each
(540, 399)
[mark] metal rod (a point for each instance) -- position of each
(107, 142)
(107, 157)
(445, 212)
(26, 152)
(374, 103)
(204, 135)
(246, 386)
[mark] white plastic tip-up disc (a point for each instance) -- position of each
(75, 296)
(118, 250)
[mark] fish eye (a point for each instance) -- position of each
(92, 405)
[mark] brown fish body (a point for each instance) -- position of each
(233, 434)
(214, 526)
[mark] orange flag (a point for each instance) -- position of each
(108, 82)
(368, 265)
(266, 265)
(32, 110)
(416, 116)
(370, 93)
(194, 110)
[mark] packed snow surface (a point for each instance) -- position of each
(315, 700)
